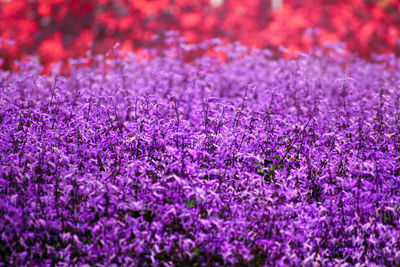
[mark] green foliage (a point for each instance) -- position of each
(191, 203)
(268, 172)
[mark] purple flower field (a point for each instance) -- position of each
(158, 162)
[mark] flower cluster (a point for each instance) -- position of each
(57, 30)
(154, 161)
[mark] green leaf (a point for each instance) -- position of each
(260, 168)
(273, 167)
(259, 165)
(190, 203)
(196, 251)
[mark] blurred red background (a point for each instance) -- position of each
(59, 29)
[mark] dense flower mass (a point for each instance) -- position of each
(143, 160)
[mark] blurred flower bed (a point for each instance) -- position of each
(56, 30)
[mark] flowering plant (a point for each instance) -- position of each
(156, 161)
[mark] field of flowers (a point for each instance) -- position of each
(150, 160)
